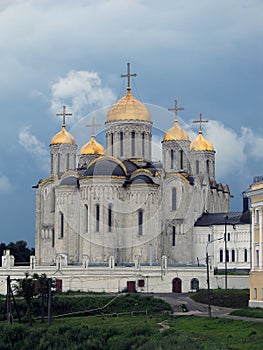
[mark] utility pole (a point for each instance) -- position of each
(226, 252)
(9, 315)
(208, 283)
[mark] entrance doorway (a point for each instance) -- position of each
(177, 285)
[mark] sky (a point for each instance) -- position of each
(207, 54)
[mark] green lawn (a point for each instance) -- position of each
(134, 332)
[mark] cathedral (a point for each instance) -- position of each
(116, 204)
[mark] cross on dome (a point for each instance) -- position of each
(200, 121)
(128, 75)
(63, 114)
(175, 109)
(92, 126)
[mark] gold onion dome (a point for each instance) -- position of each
(201, 144)
(128, 108)
(92, 147)
(63, 137)
(176, 133)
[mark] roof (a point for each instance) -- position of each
(234, 218)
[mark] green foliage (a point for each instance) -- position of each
(20, 250)
(232, 298)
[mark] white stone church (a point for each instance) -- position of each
(109, 217)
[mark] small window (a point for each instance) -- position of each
(86, 218)
(257, 216)
(209, 237)
(221, 255)
(228, 237)
(227, 255)
(140, 283)
(61, 225)
(245, 255)
(67, 161)
(133, 143)
(53, 238)
(173, 237)
(172, 158)
(255, 293)
(58, 163)
(257, 258)
(194, 284)
(112, 142)
(197, 166)
(173, 199)
(110, 218)
(207, 166)
(261, 293)
(143, 144)
(97, 218)
(182, 159)
(121, 143)
(140, 222)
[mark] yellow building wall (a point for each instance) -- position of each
(256, 281)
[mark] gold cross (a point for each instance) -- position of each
(175, 109)
(64, 114)
(128, 75)
(92, 126)
(200, 121)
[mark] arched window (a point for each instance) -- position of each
(109, 217)
(112, 141)
(227, 255)
(233, 257)
(140, 222)
(58, 163)
(97, 217)
(121, 143)
(67, 161)
(133, 143)
(221, 255)
(245, 255)
(53, 238)
(207, 166)
(172, 158)
(194, 284)
(173, 199)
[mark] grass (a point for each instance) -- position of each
(248, 312)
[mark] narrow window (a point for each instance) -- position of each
(227, 255)
(52, 163)
(173, 237)
(221, 255)
(173, 199)
(172, 158)
(245, 255)
(133, 143)
(110, 217)
(182, 159)
(197, 166)
(209, 237)
(112, 144)
(233, 255)
(257, 258)
(97, 218)
(255, 293)
(228, 237)
(58, 163)
(257, 216)
(261, 293)
(67, 161)
(143, 144)
(207, 166)
(86, 218)
(140, 221)
(53, 238)
(121, 144)
(61, 225)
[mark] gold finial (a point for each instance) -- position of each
(64, 114)
(200, 121)
(175, 109)
(92, 126)
(128, 75)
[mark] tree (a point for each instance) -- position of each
(43, 286)
(27, 289)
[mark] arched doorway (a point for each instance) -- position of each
(194, 284)
(177, 285)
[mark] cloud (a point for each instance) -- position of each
(32, 144)
(5, 184)
(81, 91)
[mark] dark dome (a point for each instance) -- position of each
(142, 179)
(69, 181)
(105, 166)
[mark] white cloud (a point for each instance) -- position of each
(5, 185)
(81, 91)
(32, 144)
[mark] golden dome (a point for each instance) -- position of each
(92, 147)
(176, 133)
(201, 144)
(63, 137)
(128, 108)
